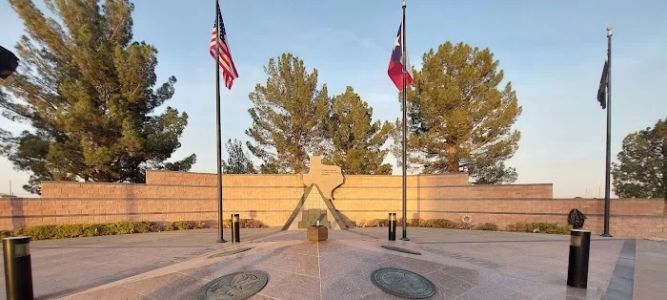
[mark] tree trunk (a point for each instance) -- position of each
(452, 160)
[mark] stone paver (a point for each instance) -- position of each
(496, 266)
(621, 285)
(65, 266)
(462, 264)
(650, 270)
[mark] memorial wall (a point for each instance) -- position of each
(271, 199)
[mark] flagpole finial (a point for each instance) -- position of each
(609, 31)
(404, 3)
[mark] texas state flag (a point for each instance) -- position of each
(395, 70)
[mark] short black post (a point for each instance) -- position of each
(18, 270)
(236, 233)
(577, 270)
(392, 226)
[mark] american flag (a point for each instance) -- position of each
(219, 49)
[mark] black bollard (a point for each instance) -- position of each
(236, 235)
(577, 270)
(18, 272)
(392, 226)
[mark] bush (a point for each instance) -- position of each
(487, 226)
(444, 223)
(375, 223)
(123, 227)
(436, 223)
(88, 230)
(433, 223)
(519, 227)
(183, 225)
(244, 223)
(45, 232)
(156, 227)
(252, 223)
(143, 227)
(69, 231)
(552, 228)
(201, 224)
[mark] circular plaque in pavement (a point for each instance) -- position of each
(403, 283)
(235, 286)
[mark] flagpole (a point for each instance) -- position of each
(218, 153)
(405, 125)
(607, 175)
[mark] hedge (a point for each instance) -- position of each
(45, 232)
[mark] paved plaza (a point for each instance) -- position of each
(463, 264)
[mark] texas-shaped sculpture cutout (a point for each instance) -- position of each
(327, 178)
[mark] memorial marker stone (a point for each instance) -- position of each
(235, 286)
(403, 283)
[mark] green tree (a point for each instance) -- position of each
(356, 139)
(459, 118)
(288, 116)
(641, 171)
(88, 91)
(237, 162)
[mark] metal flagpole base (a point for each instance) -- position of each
(606, 235)
(221, 241)
(405, 236)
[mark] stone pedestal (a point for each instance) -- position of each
(317, 233)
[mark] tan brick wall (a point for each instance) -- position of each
(629, 217)
(352, 181)
(177, 196)
(207, 179)
(168, 197)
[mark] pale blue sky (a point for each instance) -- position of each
(551, 51)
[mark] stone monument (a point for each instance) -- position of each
(316, 206)
(327, 178)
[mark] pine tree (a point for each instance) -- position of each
(356, 140)
(641, 171)
(288, 116)
(237, 162)
(88, 91)
(459, 119)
